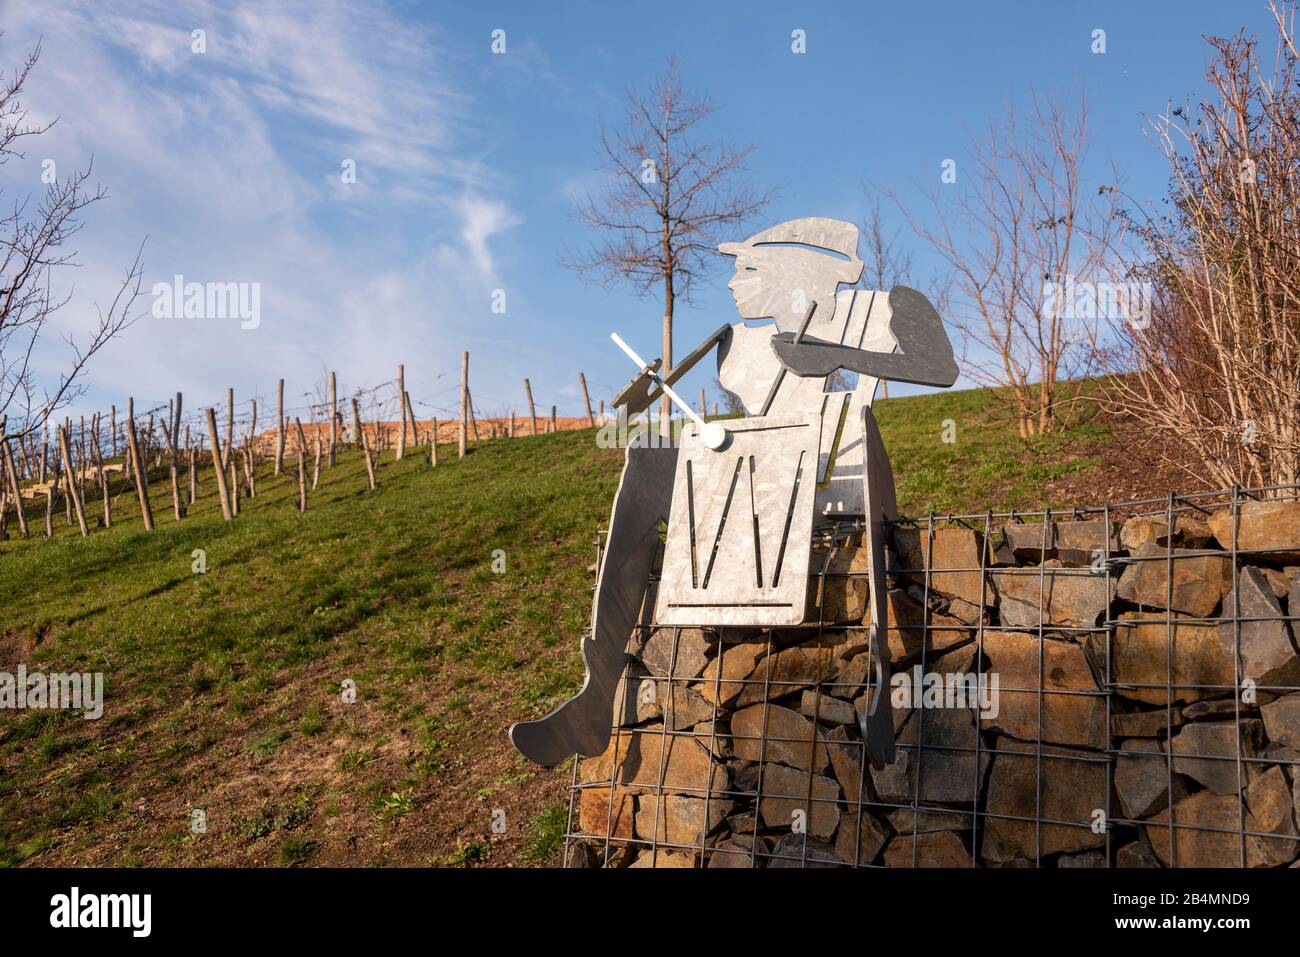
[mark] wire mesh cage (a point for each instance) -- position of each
(1108, 686)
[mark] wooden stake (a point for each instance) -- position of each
(222, 492)
(193, 468)
(410, 414)
(49, 499)
(141, 472)
(13, 483)
(233, 484)
(433, 442)
(315, 468)
(365, 444)
(172, 438)
(401, 401)
(463, 437)
(302, 467)
(553, 425)
(230, 430)
(532, 409)
(334, 419)
(70, 477)
(591, 419)
(279, 433)
(112, 430)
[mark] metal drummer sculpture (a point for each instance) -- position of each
(742, 498)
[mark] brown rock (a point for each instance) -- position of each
(859, 848)
(1136, 854)
(906, 636)
(800, 850)
(714, 737)
(787, 737)
(1068, 717)
(737, 661)
(658, 857)
(824, 708)
(906, 821)
(1222, 708)
(1199, 581)
(840, 594)
(1268, 654)
(1282, 720)
(785, 792)
(1029, 542)
(1189, 531)
(792, 668)
(1072, 788)
(964, 612)
(1261, 526)
(951, 550)
(1086, 859)
(846, 761)
(681, 821)
(1146, 724)
(1279, 582)
(947, 759)
(1142, 782)
(1075, 598)
(1081, 543)
(1272, 811)
(734, 854)
(936, 849)
(684, 708)
(691, 653)
(634, 759)
(1206, 751)
(1141, 656)
(636, 698)
(1195, 844)
(596, 817)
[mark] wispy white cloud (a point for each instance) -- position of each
(230, 162)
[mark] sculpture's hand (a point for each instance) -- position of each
(808, 356)
(635, 396)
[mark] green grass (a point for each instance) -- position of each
(395, 590)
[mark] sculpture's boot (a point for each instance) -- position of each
(582, 724)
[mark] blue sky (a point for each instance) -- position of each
(468, 163)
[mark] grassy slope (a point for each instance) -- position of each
(223, 687)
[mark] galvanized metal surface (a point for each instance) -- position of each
(738, 539)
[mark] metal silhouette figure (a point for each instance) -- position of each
(742, 498)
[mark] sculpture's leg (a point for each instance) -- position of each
(582, 724)
(877, 722)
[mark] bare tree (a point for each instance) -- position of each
(667, 204)
(34, 244)
(1017, 232)
(1212, 373)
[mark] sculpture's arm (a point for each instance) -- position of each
(925, 358)
(637, 395)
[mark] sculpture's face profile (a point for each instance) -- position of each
(782, 270)
(780, 281)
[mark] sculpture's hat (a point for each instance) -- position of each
(817, 232)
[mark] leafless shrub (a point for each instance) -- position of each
(1020, 224)
(1213, 374)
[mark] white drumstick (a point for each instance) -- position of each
(712, 435)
